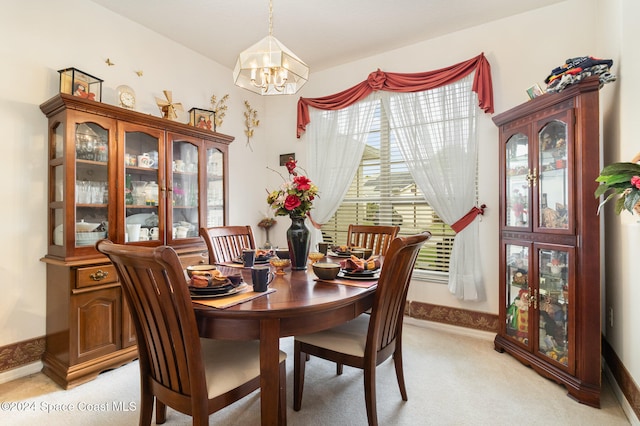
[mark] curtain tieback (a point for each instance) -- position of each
(465, 220)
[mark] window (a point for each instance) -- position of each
(383, 192)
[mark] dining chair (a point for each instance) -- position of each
(368, 340)
(225, 243)
(192, 375)
(375, 237)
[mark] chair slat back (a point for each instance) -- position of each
(391, 295)
(225, 243)
(375, 237)
(156, 290)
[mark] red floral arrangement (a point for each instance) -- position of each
(294, 197)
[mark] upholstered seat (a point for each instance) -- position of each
(194, 376)
(368, 340)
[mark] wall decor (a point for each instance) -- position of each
(286, 157)
(167, 106)
(250, 121)
(219, 110)
(126, 97)
(202, 118)
(79, 83)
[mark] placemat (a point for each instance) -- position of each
(236, 299)
(353, 283)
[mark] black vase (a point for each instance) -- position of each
(298, 241)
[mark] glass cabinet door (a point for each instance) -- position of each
(143, 198)
(553, 170)
(91, 186)
(56, 187)
(215, 188)
(185, 190)
(554, 290)
(518, 302)
(518, 182)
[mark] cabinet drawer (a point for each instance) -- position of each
(96, 275)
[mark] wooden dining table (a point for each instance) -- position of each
(300, 304)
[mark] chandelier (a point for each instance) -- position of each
(269, 68)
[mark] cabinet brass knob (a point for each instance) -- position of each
(99, 275)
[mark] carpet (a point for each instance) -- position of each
(452, 379)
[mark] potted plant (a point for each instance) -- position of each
(621, 179)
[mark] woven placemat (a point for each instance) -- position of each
(236, 299)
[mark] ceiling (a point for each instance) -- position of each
(323, 33)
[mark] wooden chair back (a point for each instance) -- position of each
(385, 325)
(225, 243)
(156, 290)
(375, 237)
(193, 375)
(383, 328)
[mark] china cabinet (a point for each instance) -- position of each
(135, 179)
(550, 238)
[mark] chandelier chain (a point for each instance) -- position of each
(270, 17)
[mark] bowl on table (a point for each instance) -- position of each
(282, 253)
(200, 270)
(326, 270)
(279, 264)
(315, 256)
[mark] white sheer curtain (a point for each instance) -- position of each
(336, 141)
(435, 130)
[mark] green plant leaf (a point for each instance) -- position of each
(632, 169)
(619, 205)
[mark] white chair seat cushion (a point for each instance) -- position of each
(229, 364)
(349, 338)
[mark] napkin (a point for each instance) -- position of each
(355, 264)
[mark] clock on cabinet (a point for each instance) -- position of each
(126, 97)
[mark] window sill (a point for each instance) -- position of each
(430, 276)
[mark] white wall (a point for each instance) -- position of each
(42, 36)
(620, 32)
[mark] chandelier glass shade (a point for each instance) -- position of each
(269, 68)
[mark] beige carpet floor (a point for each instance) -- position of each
(452, 379)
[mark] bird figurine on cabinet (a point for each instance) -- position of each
(168, 107)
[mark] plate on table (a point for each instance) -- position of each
(339, 253)
(359, 276)
(367, 273)
(211, 292)
(258, 261)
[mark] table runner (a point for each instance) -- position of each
(353, 283)
(236, 299)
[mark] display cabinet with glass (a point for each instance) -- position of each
(135, 179)
(550, 237)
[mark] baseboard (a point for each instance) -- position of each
(453, 316)
(20, 354)
(19, 372)
(448, 328)
(625, 388)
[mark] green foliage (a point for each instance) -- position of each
(618, 179)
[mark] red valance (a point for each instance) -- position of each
(399, 82)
